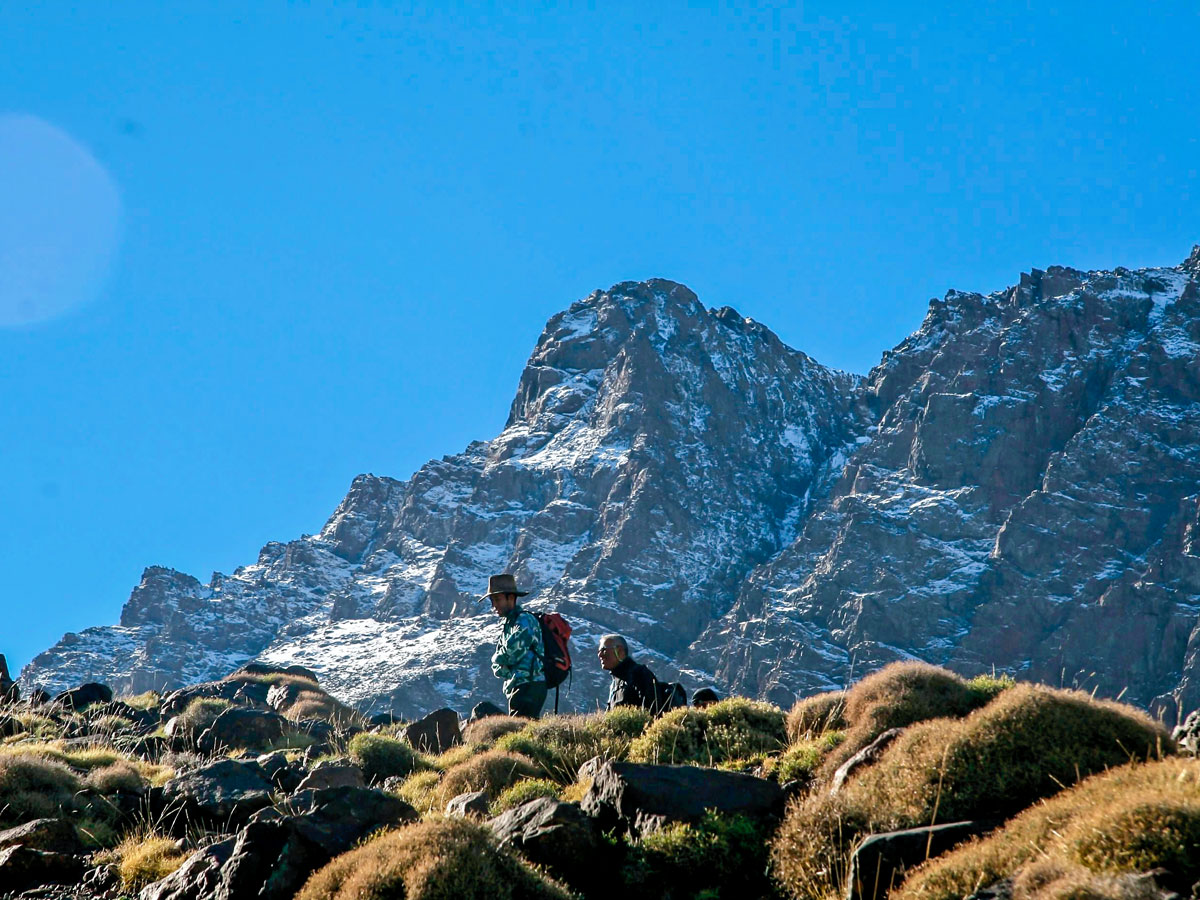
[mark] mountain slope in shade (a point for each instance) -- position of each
(656, 451)
(1027, 500)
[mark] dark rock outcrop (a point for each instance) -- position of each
(643, 797)
(436, 732)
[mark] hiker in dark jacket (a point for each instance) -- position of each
(632, 683)
(519, 652)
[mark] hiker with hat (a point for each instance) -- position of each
(519, 652)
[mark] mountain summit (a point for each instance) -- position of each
(1014, 486)
(655, 453)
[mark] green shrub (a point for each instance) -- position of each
(987, 687)
(523, 792)
(561, 744)
(379, 756)
(489, 772)
(1028, 743)
(420, 790)
(801, 760)
(202, 712)
(488, 730)
(719, 856)
(814, 715)
(439, 859)
(34, 787)
(734, 729)
(1130, 819)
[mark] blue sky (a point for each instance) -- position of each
(320, 240)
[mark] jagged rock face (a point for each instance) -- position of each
(655, 452)
(1014, 486)
(1028, 500)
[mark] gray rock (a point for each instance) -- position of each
(221, 794)
(1187, 733)
(472, 803)
(864, 757)
(643, 797)
(557, 835)
(250, 729)
(332, 774)
(880, 860)
(22, 868)
(10, 691)
(436, 732)
(197, 879)
(48, 835)
(85, 695)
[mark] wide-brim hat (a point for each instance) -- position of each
(502, 584)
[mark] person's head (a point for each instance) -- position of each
(502, 604)
(613, 651)
(503, 593)
(704, 697)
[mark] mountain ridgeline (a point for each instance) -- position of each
(1016, 486)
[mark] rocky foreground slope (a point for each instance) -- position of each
(1013, 486)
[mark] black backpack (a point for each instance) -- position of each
(668, 695)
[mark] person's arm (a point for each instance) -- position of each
(643, 683)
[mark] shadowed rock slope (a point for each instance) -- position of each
(1027, 499)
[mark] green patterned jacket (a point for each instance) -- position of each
(518, 656)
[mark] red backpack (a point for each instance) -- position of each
(556, 644)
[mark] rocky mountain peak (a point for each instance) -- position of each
(1012, 486)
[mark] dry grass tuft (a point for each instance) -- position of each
(432, 860)
(1131, 819)
(147, 700)
(489, 772)
(121, 776)
(34, 787)
(200, 713)
(802, 759)
(142, 859)
(488, 731)
(897, 696)
(813, 716)
(727, 732)
(1030, 742)
(316, 704)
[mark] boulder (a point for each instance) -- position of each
(221, 794)
(253, 729)
(85, 695)
(9, 690)
(484, 710)
(272, 856)
(332, 773)
(284, 774)
(557, 835)
(641, 797)
(47, 835)
(281, 696)
(436, 732)
(880, 860)
(863, 757)
(382, 720)
(22, 868)
(1187, 733)
(247, 694)
(472, 803)
(197, 879)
